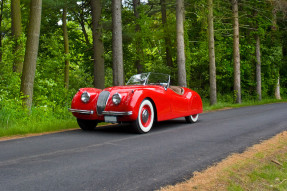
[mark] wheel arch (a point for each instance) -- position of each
(154, 106)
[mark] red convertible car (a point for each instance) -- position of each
(147, 97)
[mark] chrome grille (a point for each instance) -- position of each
(102, 101)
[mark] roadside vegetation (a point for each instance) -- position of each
(15, 121)
(262, 167)
(227, 104)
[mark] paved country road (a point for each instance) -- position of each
(113, 158)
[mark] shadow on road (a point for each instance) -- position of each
(127, 128)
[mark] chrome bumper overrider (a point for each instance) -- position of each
(88, 112)
(117, 113)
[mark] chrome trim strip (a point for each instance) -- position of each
(88, 112)
(117, 113)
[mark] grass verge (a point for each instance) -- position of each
(261, 167)
(221, 105)
(37, 127)
(14, 121)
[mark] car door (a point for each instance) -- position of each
(179, 104)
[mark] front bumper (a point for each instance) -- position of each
(117, 113)
(87, 112)
(111, 113)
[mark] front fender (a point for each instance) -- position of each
(91, 105)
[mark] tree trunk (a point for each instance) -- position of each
(284, 48)
(275, 28)
(16, 32)
(138, 42)
(98, 46)
(180, 43)
(32, 45)
(258, 68)
(277, 88)
(166, 34)
(118, 68)
(66, 48)
(236, 52)
(212, 66)
(1, 36)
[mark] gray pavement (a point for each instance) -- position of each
(113, 158)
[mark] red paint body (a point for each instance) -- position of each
(167, 103)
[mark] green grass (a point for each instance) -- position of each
(15, 121)
(266, 176)
(220, 104)
(37, 127)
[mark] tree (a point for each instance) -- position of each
(180, 43)
(32, 45)
(274, 28)
(212, 66)
(16, 32)
(118, 68)
(82, 19)
(258, 68)
(66, 48)
(236, 52)
(138, 41)
(98, 47)
(279, 5)
(1, 18)
(166, 34)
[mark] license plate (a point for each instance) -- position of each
(111, 119)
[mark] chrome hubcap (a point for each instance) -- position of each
(145, 116)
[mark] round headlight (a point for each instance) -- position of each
(117, 98)
(85, 97)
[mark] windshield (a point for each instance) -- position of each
(150, 79)
(139, 79)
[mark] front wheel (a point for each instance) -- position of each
(145, 118)
(191, 118)
(87, 125)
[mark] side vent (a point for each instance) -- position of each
(102, 101)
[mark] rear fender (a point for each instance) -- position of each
(195, 105)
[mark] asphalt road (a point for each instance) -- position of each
(113, 158)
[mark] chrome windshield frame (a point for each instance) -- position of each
(148, 74)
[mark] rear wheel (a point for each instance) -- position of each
(87, 125)
(145, 119)
(191, 118)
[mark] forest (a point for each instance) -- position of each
(226, 50)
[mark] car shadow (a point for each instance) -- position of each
(126, 128)
(114, 128)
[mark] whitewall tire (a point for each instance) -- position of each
(191, 118)
(145, 118)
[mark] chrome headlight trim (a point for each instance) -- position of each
(117, 98)
(85, 97)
